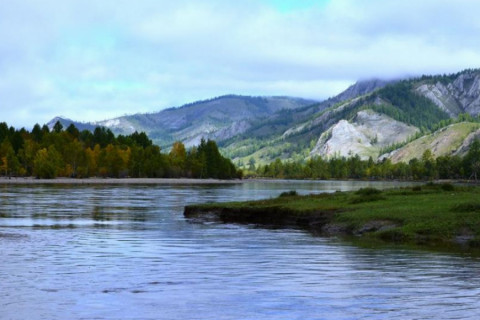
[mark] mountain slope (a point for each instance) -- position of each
(218, 118)
(455, 94)
(283, 120)
(406, 102)
(451, 140)
(291, 134)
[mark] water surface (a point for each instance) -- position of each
(127, 252)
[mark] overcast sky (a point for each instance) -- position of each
(93, 60)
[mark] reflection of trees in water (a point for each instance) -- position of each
(119, 213)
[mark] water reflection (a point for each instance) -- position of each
(126, 252)
(139, 214)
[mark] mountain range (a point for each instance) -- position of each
(395, 119)
(218, 119)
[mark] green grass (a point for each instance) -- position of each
(420, 215)
(431, 214)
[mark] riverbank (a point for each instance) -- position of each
(94, 181)
(177, 181)
(432, 214)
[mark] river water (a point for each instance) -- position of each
(127, 252)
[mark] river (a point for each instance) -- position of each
(127, 252)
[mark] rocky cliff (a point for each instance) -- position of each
(364, 136)
(462, 95)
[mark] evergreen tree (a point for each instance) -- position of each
(472, 160)
(58, 127)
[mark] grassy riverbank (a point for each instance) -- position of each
(429, 215)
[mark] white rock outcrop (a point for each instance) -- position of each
(365, 136)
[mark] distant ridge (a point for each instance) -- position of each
(218, 118)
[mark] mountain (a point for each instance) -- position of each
(366, 122)
(283, 120)
(396, 119)
(290, 134)
(218, 119)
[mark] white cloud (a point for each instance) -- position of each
(92, 60)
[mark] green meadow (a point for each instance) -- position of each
(430, 214)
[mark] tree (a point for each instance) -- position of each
(73, 131)
(83, 154)
(103, 136)
(136, 163)
(251, 164)
(37, 133)
(90, 168)
(416, 168)
(429, 165)
(141, 139)
(9, 164)
(155, 164)
(74, 156)
(178, 158)
(16, 138)
(4, 132)
(58, 127)
(27, 154)
(472, 160)
(47, 163)
(111, 162)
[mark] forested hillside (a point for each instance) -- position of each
(372, 118)
(356, 125)
(46, 153)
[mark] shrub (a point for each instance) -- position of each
(290, 193)
(447, 187)
(368, 191)
(367, 198)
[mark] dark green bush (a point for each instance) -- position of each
(368, 191)
(290, 193)
(447, 187)
(367, 198)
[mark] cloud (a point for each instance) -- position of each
(91, 60)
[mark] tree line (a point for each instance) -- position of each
(426, 168)
(46, 153)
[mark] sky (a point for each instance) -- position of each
(94, 60)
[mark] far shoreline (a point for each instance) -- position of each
(190, 181)
(118, 181)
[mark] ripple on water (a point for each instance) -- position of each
(126, 252)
